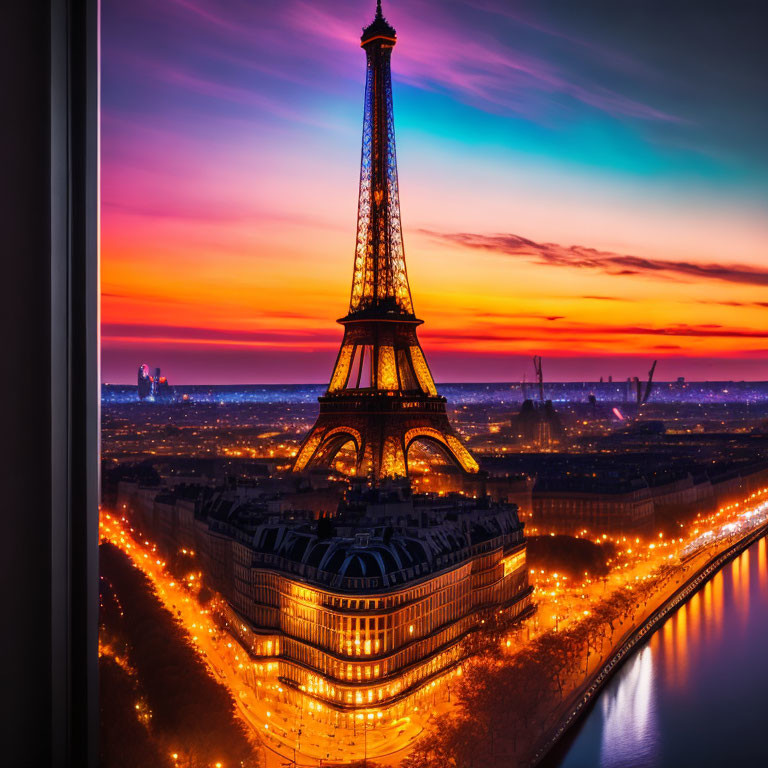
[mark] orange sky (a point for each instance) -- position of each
(229, 204)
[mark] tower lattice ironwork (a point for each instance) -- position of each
(381, 396)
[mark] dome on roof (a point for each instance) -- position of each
(390, 564)
(401, 553)
(297, 548)
(335, 561)
(315, 553)
(270, 537)
(353, 567)
(416, 550)
(363, 563)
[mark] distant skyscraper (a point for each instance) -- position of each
(381, 396)
(538, 424)
(145, 382)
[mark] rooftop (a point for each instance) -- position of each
(379, 539)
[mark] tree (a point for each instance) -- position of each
(124, 742)
(189, 707)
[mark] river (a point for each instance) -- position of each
(696, 694)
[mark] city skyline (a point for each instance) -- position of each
(561, 195)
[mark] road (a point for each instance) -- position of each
(280, 724)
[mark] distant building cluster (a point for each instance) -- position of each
(538, 424)
(513, 393)
(152, 386)
(630, 493)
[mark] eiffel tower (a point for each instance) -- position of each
(381, 396)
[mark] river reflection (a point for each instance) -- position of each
(697, 693)
(629, 720)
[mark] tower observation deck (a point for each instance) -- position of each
(381, 397)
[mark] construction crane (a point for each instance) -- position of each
(539, 376)
(523, 387)
(649, 385)
(643, 395)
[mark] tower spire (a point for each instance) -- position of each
(380, 281)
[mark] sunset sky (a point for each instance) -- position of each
(578, 180)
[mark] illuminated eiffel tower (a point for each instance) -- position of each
(382, 396)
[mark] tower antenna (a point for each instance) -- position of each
(539, 376)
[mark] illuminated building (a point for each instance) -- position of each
(381, 397)
(615, 507)
(538, 424)
(363, 609)
(359, 611)
(162, 387)
(145, 382)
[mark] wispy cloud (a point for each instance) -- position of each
(578, 331)
(185, 333)
(583, 257)
(515, 315)
(754, 304)
(438, 55)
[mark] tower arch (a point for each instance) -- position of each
(321, 446)
(448, 443)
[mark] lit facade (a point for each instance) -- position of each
(568, 512)
(376, 611)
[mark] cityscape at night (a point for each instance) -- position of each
(195, 488)
(502, 500)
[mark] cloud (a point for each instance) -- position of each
(515, 316)
(583, 257)
(198, 334)
(759, 304)
(578, 331)
(480, 69)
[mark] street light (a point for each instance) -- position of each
(298, 741)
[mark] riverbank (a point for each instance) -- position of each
(705, 564)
